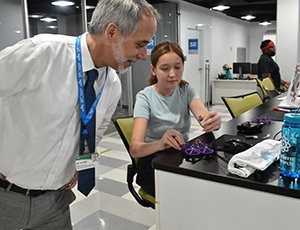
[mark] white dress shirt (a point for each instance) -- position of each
(40, 116)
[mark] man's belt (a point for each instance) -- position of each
(28, 192)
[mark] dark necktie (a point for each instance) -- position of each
(86, 178)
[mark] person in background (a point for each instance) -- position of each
(40, 129)
(267, 67)
(162, 111)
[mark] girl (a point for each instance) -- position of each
(162, 111)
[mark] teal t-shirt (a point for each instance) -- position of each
(165, 113)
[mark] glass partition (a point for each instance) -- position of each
(44, 17)
(11, 25)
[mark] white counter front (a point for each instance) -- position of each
(227, 88)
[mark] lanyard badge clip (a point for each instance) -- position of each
(86, 147)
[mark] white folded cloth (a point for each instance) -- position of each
(260, 156)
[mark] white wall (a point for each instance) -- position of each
(257, 33)
(223, 35)
(227, 35)
(287, 37)
(190, 15)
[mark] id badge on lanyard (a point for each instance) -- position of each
(87, 160)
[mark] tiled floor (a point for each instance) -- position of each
(110, 206)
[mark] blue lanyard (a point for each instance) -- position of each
(85, 117)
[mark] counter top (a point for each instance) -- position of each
(214, 167)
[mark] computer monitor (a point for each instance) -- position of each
(254, 68)
(241, 68)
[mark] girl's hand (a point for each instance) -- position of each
(171, 138)
(212, 121)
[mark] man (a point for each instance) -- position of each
(40, 129)
(267, 67)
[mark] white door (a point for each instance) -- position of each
(195, 66)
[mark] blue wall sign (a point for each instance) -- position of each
(151, 45)
(193, 46)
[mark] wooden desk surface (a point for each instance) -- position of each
(214, 168)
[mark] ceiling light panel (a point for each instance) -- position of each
(266, 23)
(248, 17)
(48, 19)
(221, 7)
(62, 3)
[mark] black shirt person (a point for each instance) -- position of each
(267, 67)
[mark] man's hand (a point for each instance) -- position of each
(72, 182)
(287, 84)
(2, 176)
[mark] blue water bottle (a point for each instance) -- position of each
(290, 146)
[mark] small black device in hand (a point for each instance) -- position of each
(250, 127)
(200, 119)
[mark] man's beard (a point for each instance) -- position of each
(119, 55)
(272, 53)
